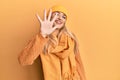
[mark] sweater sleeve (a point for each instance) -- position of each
(80, 66)
(32, 50)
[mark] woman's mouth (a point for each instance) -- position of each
(59, 22)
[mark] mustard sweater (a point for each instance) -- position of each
(59, 64)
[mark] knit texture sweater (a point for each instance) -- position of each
(60, 63)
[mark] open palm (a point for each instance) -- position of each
(47, 24)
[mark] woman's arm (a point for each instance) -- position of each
(80, 67)
(32, 50)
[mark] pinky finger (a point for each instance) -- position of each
(39, 18)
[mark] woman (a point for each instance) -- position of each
(56, 47)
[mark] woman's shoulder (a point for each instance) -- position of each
(69, 34)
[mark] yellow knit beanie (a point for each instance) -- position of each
(60, 8)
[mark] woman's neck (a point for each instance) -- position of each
(55, 33)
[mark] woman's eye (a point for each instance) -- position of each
(64, 17)
(56, 12)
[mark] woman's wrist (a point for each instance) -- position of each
(43, 35)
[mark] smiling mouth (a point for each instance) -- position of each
(58, 22)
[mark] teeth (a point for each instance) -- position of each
(59, 22)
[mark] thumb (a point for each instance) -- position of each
(55, 27)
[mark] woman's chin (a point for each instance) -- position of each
(59, 26)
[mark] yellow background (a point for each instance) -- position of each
(96, 24)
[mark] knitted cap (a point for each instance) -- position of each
(60, 8)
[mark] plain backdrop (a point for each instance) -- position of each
(96, 24)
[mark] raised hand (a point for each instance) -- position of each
(47, 24)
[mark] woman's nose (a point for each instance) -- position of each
(59, 17)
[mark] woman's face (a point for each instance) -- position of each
(60, 20)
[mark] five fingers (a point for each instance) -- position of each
(48, 20)
(49, 16)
